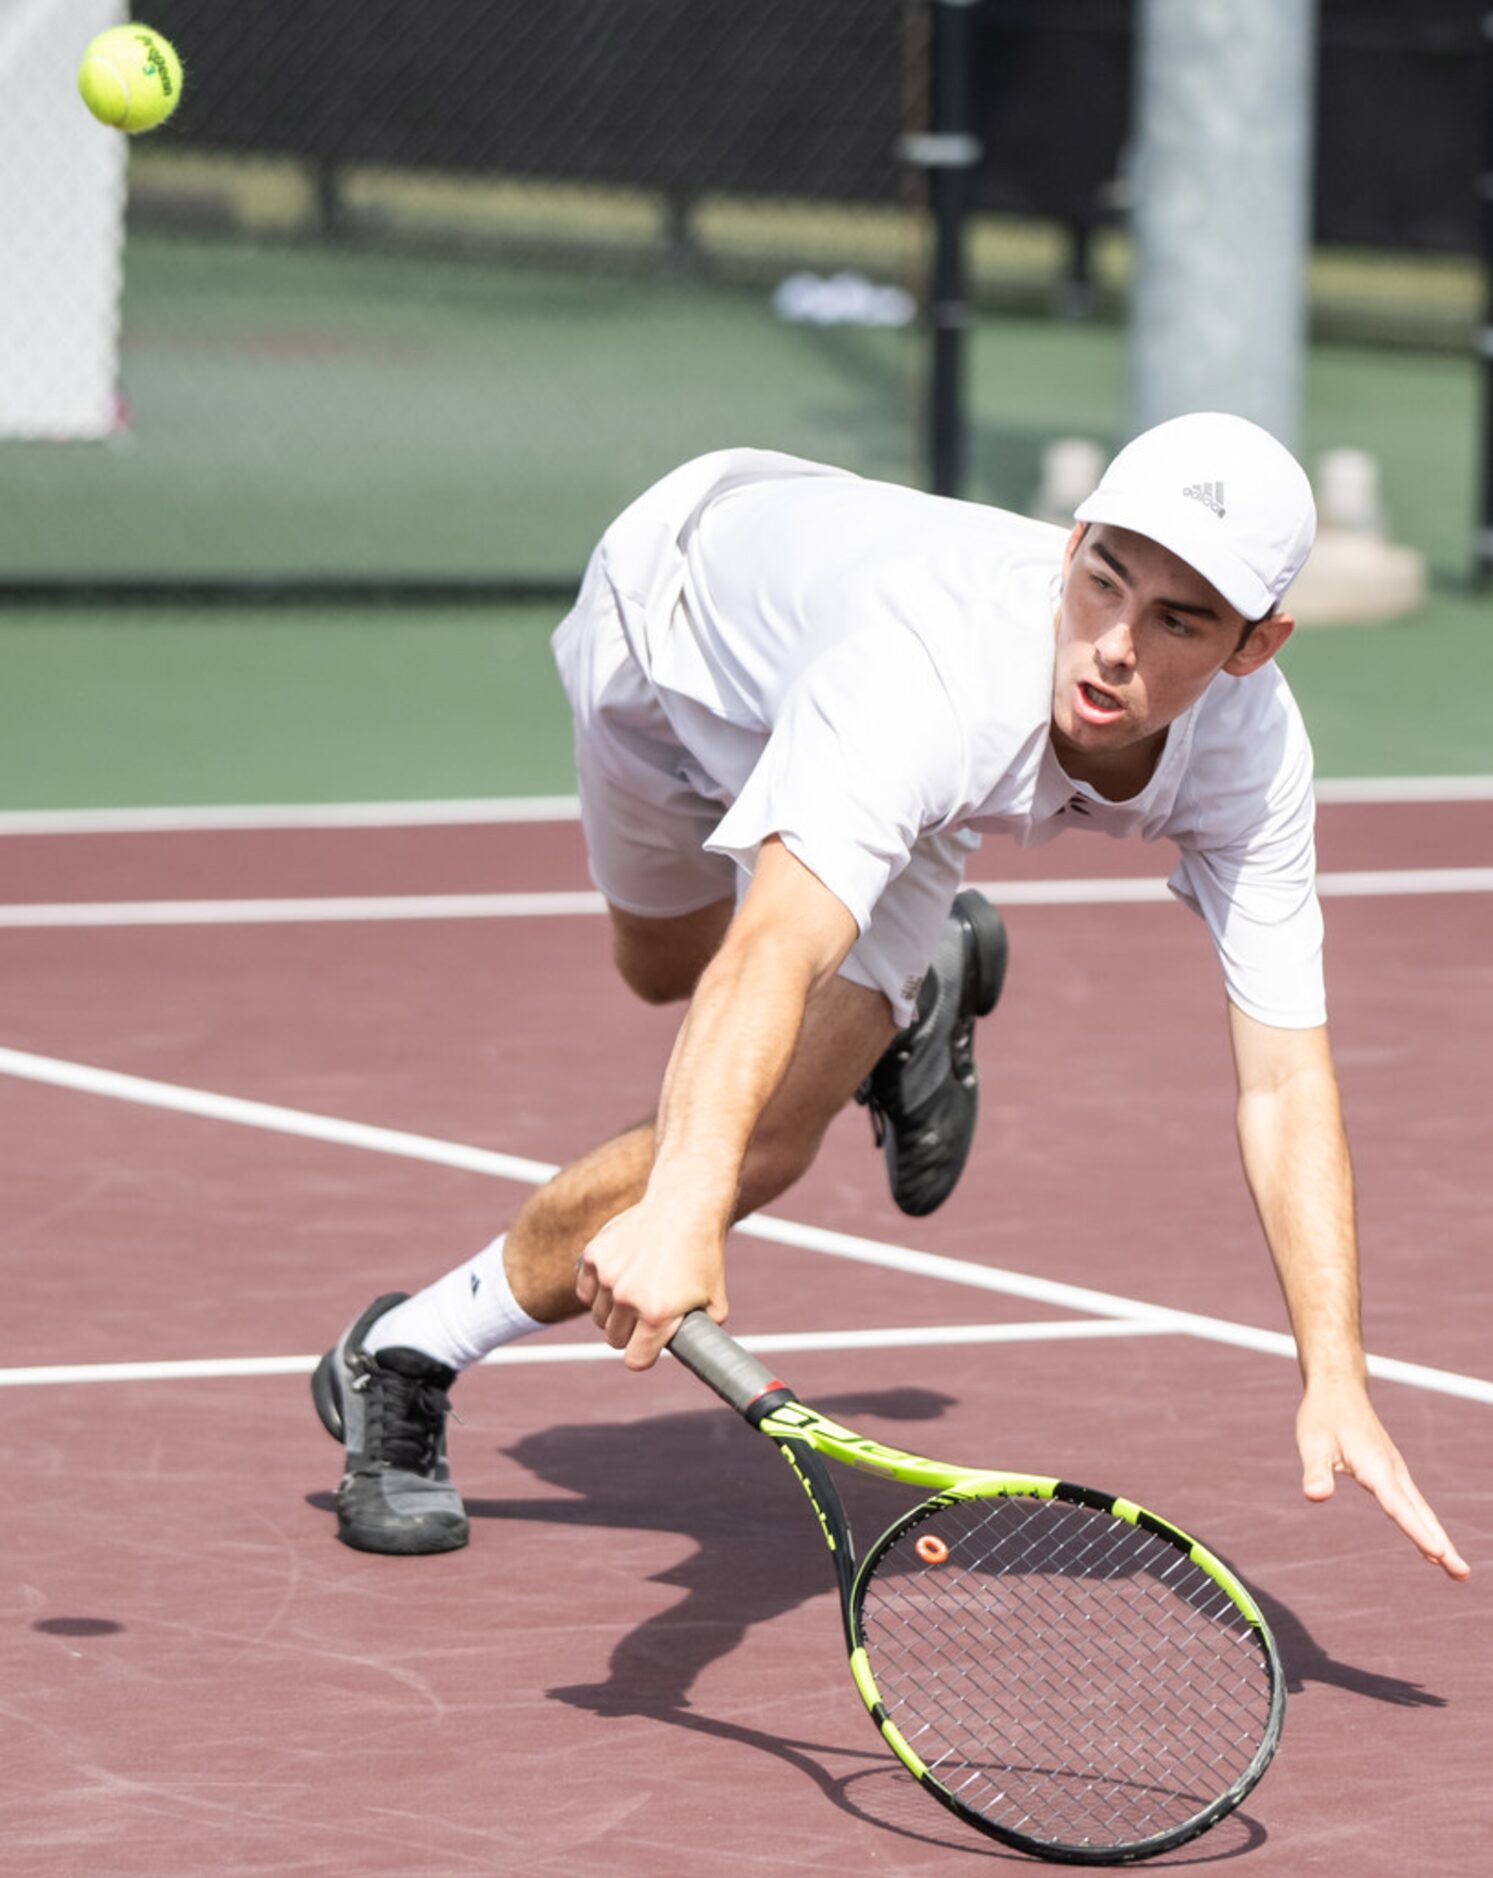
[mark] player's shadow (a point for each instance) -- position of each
(707, 1478)
(1304, 1660)
(755, 1556)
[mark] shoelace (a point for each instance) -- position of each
(961, 1062)
(961, 1065)
(867, 1099)
(898, 1050)
(406, 1418)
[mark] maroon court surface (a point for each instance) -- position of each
(635, 1667)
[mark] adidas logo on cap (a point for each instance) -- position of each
(1210, 494)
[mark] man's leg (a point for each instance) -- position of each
(382, 1390)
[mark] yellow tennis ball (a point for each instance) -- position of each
(130, 78)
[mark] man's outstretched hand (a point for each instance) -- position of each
(1338, 1432)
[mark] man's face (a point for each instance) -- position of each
(1139, 636)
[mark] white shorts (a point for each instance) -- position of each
(648, 808)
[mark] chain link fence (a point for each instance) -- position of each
(422, 291)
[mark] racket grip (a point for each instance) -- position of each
(720, 1362)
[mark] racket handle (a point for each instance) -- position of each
(720, 1362)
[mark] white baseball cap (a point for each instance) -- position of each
(1223, 495)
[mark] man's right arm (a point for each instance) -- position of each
(666, 1255)
(1296, 1161)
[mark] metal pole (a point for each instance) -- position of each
(1483, 550)
(949, 151)
(1222, 175)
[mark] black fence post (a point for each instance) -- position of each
(949, 151)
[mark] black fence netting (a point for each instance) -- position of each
(421, 291)
(425, 290)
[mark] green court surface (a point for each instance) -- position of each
(312, 411)
(131, 711)
(306, 411)
(125, 709)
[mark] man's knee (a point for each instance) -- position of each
(660, 960)
(654, 981)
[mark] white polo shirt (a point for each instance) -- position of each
(866, 671)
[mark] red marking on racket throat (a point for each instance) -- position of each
(771, 1397)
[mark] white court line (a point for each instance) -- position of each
(769, 1343)
(486, 809)
(1079, 1298)
(352, 908)
(1374, 882)
(314, 912)
(1346, 884)
(1391, 789)
(267, 1115)
(466, 809)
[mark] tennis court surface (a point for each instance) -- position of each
(252, 1076)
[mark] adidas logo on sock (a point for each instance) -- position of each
(1210, 494)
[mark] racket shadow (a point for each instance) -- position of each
(706, 1478)
(888, 1797)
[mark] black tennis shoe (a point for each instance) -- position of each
(924, 1093)
(389, 1410)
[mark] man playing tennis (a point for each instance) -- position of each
(799, 699)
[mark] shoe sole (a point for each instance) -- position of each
(405, 1545)
(990, 951)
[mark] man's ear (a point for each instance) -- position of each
(1080, 529)
(1267, 638)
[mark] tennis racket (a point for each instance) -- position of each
(1060, 1668)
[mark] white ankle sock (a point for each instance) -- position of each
(460, 1317)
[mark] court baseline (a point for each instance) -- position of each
(488, 809)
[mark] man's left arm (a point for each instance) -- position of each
(1295, 1155)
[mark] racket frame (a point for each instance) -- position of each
(807, 1438)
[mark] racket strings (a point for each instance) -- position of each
(1077, 1673)
(1061, 1756)
(1065, 1674)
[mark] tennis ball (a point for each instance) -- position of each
(130, 78)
